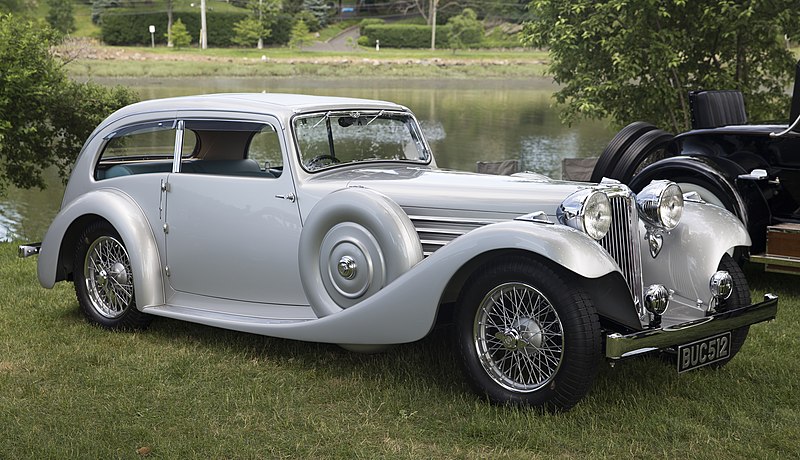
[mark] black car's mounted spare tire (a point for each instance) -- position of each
(354, 242)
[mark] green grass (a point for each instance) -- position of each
(72, 390)
(284, 62)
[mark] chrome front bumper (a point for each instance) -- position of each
(27, 250)
(620, 346)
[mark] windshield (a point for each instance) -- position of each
(334, 138)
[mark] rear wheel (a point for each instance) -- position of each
(527, 336)
(104, 280)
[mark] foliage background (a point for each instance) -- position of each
(638, 59)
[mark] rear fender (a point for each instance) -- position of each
(127, 218)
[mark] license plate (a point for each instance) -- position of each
(704, 352)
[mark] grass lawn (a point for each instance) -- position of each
(179, 390)
(160, 62)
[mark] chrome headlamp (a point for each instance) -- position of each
(661, 204)
(586, 210)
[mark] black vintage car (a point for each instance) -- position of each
(751, 170)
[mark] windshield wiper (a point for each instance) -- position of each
(324, 117)
(373, 118)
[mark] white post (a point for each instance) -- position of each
(152, 37)
(260, 40)
(203, 36)
(434, 4)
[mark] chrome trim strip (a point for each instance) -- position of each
(784, 261)
(456, 220)
(30, 249)
(436, 231)
(620, 346)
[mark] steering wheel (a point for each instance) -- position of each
(313, 163)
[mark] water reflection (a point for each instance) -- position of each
(465, 121)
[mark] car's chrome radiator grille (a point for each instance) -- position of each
(622, 240)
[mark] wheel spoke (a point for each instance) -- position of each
(108, 277)
(519, 337)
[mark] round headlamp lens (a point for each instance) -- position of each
(597, 215)
(661, 203)
(670, 208)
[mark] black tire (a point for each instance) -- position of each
(740, 297)
(542, 347)
(104, 280)
(650, 147)
(617, 147)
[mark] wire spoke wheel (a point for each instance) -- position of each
(107, 272)
(528, 334)
(104, 280)
(518, 337)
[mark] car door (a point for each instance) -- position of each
(233, 225)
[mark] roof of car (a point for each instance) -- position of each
(276, 103)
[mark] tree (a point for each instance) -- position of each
(301, 36)
(248, 32)
(465, 30)
(13, 5)
(60, 16)
(319, 9)
(638, 59)
(44, 116)
(180, 36)
(100, 6)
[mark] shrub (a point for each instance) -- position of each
(123, 27)
(405, 35)
(368, 22)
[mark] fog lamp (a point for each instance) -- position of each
(656, 299)
(721, 285)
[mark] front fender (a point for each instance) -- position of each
(129, 220)
(691, 252)
(405, 310)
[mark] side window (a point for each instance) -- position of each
(265, 149)
(138, 149)
(141, 142)
(232, 148)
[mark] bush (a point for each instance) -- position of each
(368, 22)
(405, 35)
(44, 116)
(122, 27)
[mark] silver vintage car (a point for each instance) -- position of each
(326, 219)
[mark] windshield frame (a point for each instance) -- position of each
(371, 114)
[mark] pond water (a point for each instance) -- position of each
(465, 121)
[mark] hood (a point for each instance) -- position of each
(427, 191)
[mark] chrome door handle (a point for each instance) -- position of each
(289, 197)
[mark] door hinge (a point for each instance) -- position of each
(165, 186)
(166, 228)
(166, 270)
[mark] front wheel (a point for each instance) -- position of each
(528, 336)
(104, 280)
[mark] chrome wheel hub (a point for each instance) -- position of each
(518, 337)
(107, 273)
